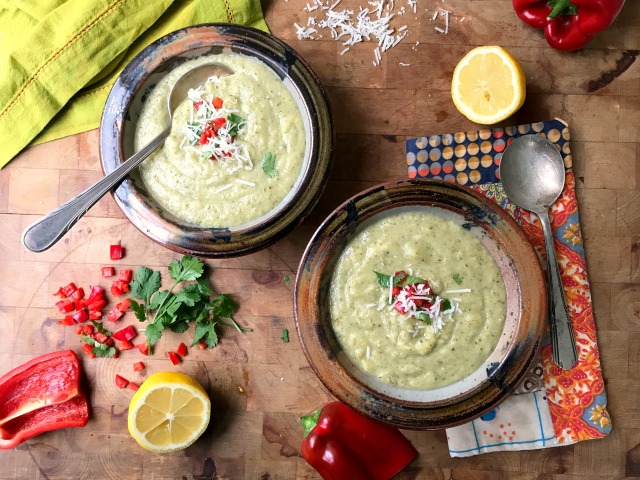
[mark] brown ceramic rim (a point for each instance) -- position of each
(188, 43)
(321, 347)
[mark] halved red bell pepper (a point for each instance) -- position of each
(568, 24)
(342, 444)
(71, 413)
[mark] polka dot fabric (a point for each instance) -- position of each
(573, 401)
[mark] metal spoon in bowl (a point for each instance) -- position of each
(532, 174)
(48, 230)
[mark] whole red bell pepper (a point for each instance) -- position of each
(341, 444)
(568, 24)
(41, 395)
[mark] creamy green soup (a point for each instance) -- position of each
(244, 169)
(424, 351)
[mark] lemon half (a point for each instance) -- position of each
(169, 412)
(488, 85)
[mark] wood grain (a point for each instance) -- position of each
(259, 385)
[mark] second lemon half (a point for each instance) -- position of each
(488, 85)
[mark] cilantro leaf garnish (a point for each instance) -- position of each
(236, 123)
(424, 317)
(269, 165)
(176, 308)
(457, 278)
(286, 280)
(285, 335)
(99, 349)
(446, 305)
(398, 280)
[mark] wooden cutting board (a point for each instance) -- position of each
(259, 385)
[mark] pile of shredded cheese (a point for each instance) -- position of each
(225, 148)
(372, 23)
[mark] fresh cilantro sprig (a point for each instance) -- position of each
(177, 309)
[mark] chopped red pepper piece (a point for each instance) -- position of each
(116, 252)
(88, 349)
(88, 329)
(202, 345)
(65, 305)
(218, 122)
(81, 316)
(114, 314)
(95, 315)
(108, 272)
(69, 289)
(217, 103)
(115, 290)
(143, 347)
(66, 321)
(78, 294)
(30, 393)
(138, 366)
(96, 293)
(100, 337)
(173, 356)
(110, 342)
(121, 382)
(340, 443)
(127, 333)
(133, 386)
(72, 413)
(80, 304)
(124, 305)
(78, 329)
(123, 286)
(124, 345)
(59, 293)
(96, 305)
(125, 275)
(182, 350)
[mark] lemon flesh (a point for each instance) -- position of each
(169, 412)
(488, 85)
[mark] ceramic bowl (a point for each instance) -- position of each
(516, 351)
(123, 108)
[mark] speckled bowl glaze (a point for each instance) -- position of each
(516, 351)
(123, 108)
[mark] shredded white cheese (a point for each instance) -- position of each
(462, 290)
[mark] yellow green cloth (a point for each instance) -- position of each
(59, 58)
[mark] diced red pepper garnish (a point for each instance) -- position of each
(133, 386)
(81, 316)
(108, 272)
(182, 350)
(121, 382)
(127, 333)
(110, 342)
(124, 305)
(78, 329)
(69, 289)
(95, 315)
(100, 337)
(59, 293)
(88, 349)
(124, 345)
(173, 356)
(66, 321)
(143, 348)
(65, 305)
(125, 275)
(96, 293)
(116, 291)
(87, 329)
(202, 345)
(80, 304)
(217, 103)
(114, 314)
(203, 138)
(138, 366)
(96, 305)
(218, 122)
(115, 252)
(78, 294)
(198, 104)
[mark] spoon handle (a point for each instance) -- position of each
(563, 342)
(48, 230)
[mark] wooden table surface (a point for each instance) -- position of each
(258, 384)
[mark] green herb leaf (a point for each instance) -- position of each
(179, 327)
(100, 328)
(224, 305)
(383, 280)
(424, 317)
(139, 310)
(158, 299)
(205, 331)
(457, 278)
(446, 305)
(189, 268)
(285, 335)
(146, 283)
(236, 123)
(411, 280)
(269, 165)
(99, 349)
(286, 280)
(153, 332)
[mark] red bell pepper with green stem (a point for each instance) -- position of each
(568, 24)
(341, 444)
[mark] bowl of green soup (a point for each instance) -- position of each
(248, 153)
(420, 304)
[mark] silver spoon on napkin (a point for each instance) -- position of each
(48, 230)
(532, 174)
